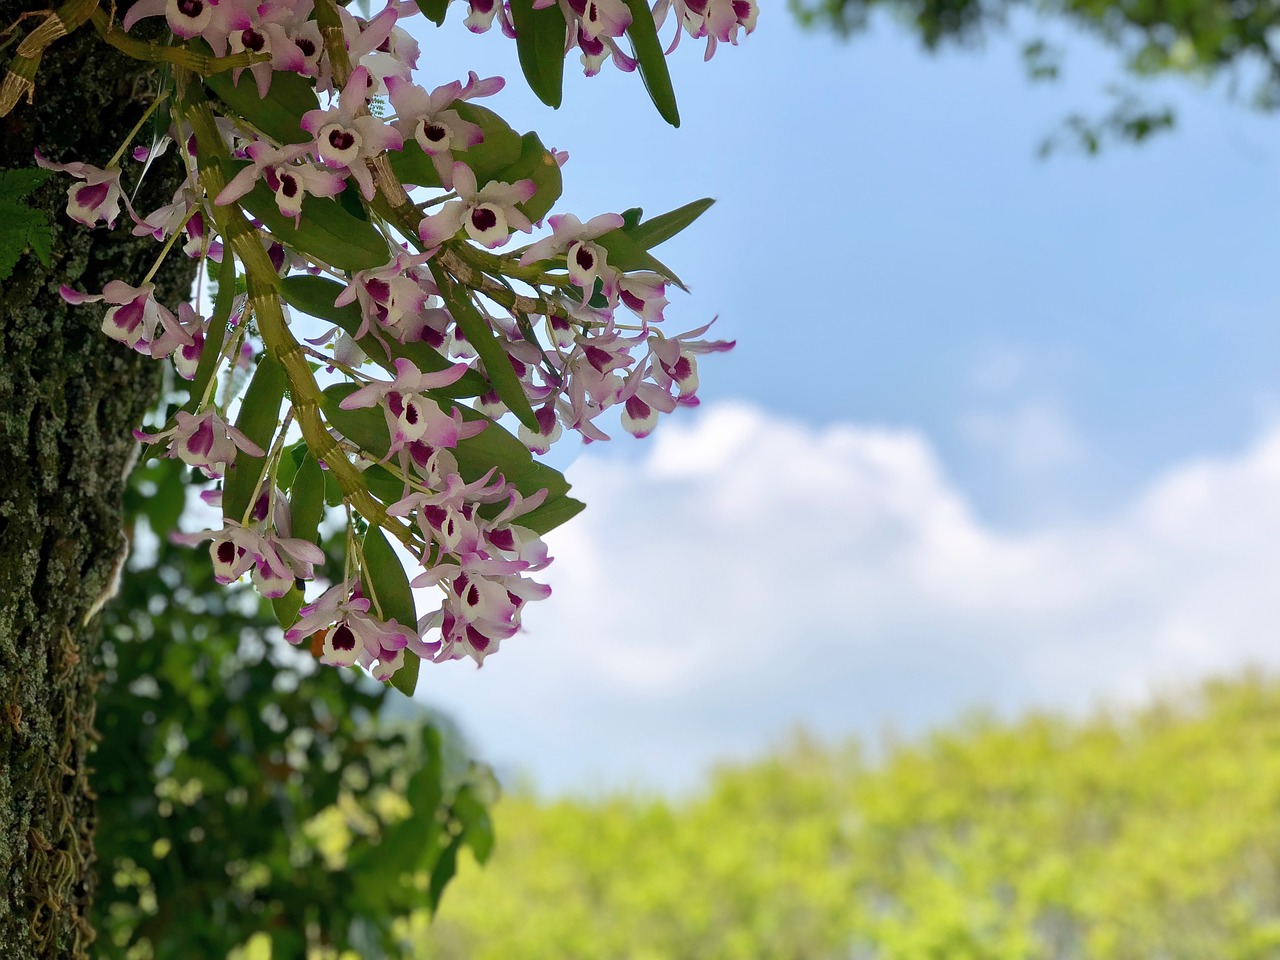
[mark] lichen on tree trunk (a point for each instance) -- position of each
(69, 398)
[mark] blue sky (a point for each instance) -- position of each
(998, 430)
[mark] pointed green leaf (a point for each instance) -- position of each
(434, 10)
(626, 254)
(306, 499)
(315, 296)
(661, 228)
(484, 339)
(551, 514)
(540, 43)
(327, 232)
(279, 114)
(653, 62)
(406, 678)
(259, 416)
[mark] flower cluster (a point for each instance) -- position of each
(387, 209)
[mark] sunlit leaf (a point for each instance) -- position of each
(663, 227)
(540, 44)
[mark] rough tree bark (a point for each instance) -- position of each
(68, 400)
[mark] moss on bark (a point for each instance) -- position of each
(68, 400)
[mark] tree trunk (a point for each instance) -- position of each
(68, 400)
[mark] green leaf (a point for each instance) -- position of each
(315, 296)
(499, 149)
(406, 678)
(653, 62)
(384, 580)
(538, 164)
(387, 586)
(327, 232)
(626, 254)
(306, 499)
(24, 228)
(286, 608)
(661, 228)
(540, 44)
(631, 217)
(279, 114)
(434, 10)
(290, 461)
(259, 416)
(366, 427)
(483, 338)
(551, 514)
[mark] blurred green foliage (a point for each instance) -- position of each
(247, 795)
(1155, 835)
(1236, 41)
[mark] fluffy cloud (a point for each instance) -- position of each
(747, 574)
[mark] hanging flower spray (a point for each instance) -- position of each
(320, 176)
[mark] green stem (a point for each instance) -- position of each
(264, 299)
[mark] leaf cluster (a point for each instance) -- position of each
(1122, 837)
(24, 227)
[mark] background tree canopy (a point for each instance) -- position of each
(1124, 836)
(1205, 40)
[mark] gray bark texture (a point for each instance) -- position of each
(69, 398)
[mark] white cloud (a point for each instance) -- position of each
(750, 573)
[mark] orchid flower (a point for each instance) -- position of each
(489, 214)
(344, 140)
(98, 198)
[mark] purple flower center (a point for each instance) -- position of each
(585, 258)
(343, 638)
(201, 441)
(190, 8)
(226, 552)
(483, 219)
(341, 139)
(434, 132)
(288, 185)
(91, 195)
(307, 47)
(253, 40)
